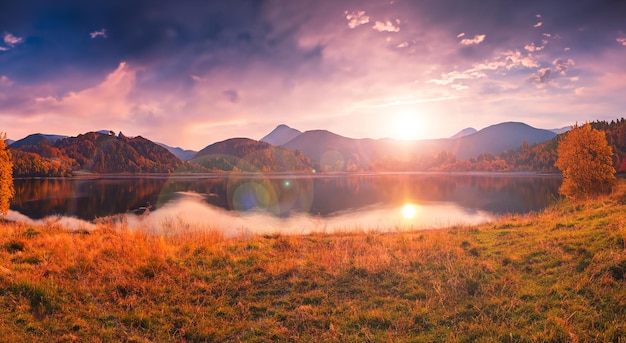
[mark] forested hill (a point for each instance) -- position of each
(93, 152)
(541, 157)
(243, 154)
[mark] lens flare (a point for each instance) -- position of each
(251, 195)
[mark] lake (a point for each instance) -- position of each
(243, 204)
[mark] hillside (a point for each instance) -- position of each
(100, 153)
(555, 276)
(243, 154)
(92, 152)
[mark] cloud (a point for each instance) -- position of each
(102, 33)
(11, 41)
(356, 18)
(539, 23)
(562, 65)
(460, 35)
(386, 26)
(545, 75)
(621, 40)
(542, 76)
(502, 62)
(402, 45)
(515, 59)
(473, 41)
(532, 47)
(453, 76)
(107, 102)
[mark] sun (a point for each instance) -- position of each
(405, 126)
(409, 211)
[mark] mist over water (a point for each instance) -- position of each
(280, 203)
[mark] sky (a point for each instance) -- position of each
(191, 73)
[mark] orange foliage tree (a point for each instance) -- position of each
(6, 176)
(585, 159)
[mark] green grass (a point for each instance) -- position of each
(554, 276)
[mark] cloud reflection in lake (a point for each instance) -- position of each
(191, 209)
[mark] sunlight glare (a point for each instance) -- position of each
(409, 211)
(405, 126)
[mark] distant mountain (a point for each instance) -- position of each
(8, 142)
(561, 130)
(35, 139)
(497, 138)
(281, 135)
(465, 132)
(184, 155)
(332, 152)
(243, 154)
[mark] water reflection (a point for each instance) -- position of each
(288, 203)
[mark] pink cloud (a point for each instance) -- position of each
(12, 40)
(356, 18)
(101, 33)
(473, 41)
(539, 23)
(386, 26)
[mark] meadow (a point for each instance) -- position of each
(554, 276)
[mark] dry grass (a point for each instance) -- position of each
(559, 275)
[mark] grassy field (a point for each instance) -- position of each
(554, 276)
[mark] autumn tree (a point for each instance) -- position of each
(6, 176)
(585, 159)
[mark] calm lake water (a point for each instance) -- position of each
(279, 203)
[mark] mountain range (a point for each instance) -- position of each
(283, 149)
(327, 150)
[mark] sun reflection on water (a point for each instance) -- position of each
(409, 211)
